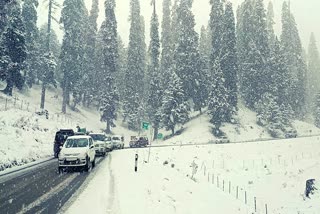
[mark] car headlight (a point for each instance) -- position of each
(62, 155)
(82, 155)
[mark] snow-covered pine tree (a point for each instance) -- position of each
(73, 18)
(29, 16)
(14, 49)
(291, 45)
(55, 50)
(254, 52)
(218, 98)
(134, 87)
(313, 71)
(216, 28)
(174, 24)
(47, 75)
(279, 84)
(187, 58)
(89, 65)
(228, 59)
(109, 93)
(270, 24)
(205, 55)
(174, 106)
(120, 77)
(166, 42)
(205, 47)
(155, 88)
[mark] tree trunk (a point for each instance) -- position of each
(108, 129)
(64, 97)
(155, 133)
(43, 95)
(67, 93)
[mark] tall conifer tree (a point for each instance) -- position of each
(110, 97)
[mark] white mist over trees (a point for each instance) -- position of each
(237, 59)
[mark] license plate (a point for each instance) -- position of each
(71, 159)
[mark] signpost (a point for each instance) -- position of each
(145, 125)
(159, 136)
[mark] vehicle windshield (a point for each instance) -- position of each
(99, 137)
(108, 138)
(115, 138)
(73, 143)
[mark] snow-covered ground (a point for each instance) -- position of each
(195, 179)
(184, 179)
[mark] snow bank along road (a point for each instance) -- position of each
(39, 189)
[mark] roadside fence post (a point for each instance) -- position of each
(255, 204)
(218, 181)
(266, 209)
(229, 187)
(237, 194)
(136, 163)
(5, 108)
(245, 197)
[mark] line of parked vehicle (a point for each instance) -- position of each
(79, 149)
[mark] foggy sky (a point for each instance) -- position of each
(306, 12)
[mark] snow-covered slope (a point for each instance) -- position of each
(26, 136)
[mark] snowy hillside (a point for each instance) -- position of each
(27, 136)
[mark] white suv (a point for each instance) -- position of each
(99, 143)
(77, 151)
(117, 142)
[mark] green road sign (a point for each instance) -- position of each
(145, 125)
(83, 130)
(160, 136)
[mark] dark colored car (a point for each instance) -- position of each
(60, 138)
(138, 141)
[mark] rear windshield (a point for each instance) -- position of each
(73, 143)
(62, 136)
(115, 138)
(99, 137)
(108, 138)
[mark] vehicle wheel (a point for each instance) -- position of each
(60, 169)
(93, 163)
(87, 166)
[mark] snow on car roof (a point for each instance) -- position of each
(79, 137)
